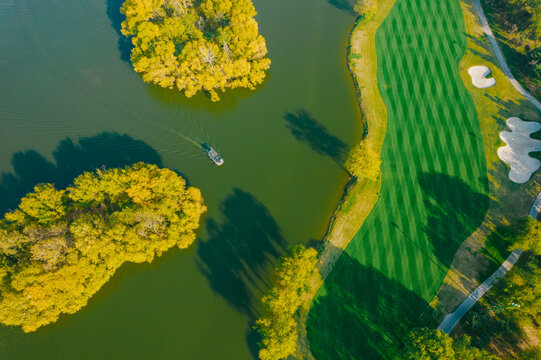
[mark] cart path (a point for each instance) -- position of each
(501, 58)
(536, 208)
(453, 318)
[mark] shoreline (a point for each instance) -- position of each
(359, 196)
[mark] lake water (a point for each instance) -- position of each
(69, 101)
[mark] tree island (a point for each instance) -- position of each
(196, 45)
(61, 246)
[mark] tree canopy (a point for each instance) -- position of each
(363, 162)
(507, 318)
(278, 328)
(526, 235)
(521, 285)
(366, 8)
(519, 15)
(61, 246)
(196, 45)
(517, 24)
(432, 344)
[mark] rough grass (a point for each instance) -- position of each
(484, 251)
(360, 196)
(514, 42)
(433, 194)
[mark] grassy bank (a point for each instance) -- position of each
(433, 194)
(485, 249)
(360, 196)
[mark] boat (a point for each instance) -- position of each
(212, 154)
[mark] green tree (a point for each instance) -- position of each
(464, 350)
(206, 45)
(278, 327)
(507, 325)
(521, 285)
(428, 344)
(61, 246)
(363, 162)
(517, 25)
(432, 344)
(527, 235)
(531, 354)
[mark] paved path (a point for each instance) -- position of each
(536, 208)
(501, 59)
(452, 319)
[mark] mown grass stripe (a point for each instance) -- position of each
(433, 192)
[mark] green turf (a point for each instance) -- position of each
(434, 189)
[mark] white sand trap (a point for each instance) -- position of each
(519, 145)
(478, 77)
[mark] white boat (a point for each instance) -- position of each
(212, 154)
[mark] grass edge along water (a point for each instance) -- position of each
(434, 189)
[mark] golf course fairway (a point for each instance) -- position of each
(433, 195)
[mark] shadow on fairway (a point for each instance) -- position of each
(107, 150)
(455, 211)
(239, 252)
(307, 130)
(361, 314)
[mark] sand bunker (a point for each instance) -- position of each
(519, 145)
(478, 77)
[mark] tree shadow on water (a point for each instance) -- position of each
(107, 150)
(454, 209)
(306, 129)
(124, 43)
(362, 314)
(345, 5)
(229, 99)
(238, 254)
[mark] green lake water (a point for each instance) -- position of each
(434, 191)
(69, 101)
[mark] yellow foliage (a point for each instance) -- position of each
(527, 235)
(363, 162)
(366, 8)
(278, 328)
(207, 45)
(60, 247)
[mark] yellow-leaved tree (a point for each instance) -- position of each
(203, 45)
(61, 246)
(278, 327)
(366, 8)
(363, 162)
